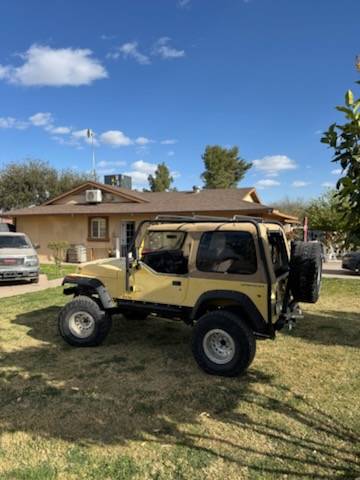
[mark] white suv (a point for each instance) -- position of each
(18, 258)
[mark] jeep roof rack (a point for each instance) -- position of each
(206, 218)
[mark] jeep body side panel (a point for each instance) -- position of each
(254, 286)
(150, 286)
(232, 299)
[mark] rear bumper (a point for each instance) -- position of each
(18, 273)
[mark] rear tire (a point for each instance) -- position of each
(82, 323)
(223, 344)
(305, 271)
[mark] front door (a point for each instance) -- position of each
(151, 286)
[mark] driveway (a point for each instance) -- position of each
(10, 289)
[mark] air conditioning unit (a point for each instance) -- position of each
(93, 196)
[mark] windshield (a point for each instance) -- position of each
(14, 241)
(163, 241)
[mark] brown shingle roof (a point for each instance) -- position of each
(124, 192)
(219, 200)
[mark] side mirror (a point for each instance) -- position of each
(37, 246)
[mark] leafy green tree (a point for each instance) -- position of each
(344, 139)
(34, 182)
(296, 207)
(324, 213)
(223, 167)
(161, 180)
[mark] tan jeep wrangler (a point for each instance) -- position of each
(234, 280)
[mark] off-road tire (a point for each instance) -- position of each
(35, 280)
(305, 271)
(84, 304)
(241, 334)
(135, 316)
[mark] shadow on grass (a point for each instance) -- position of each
(144, 385)
(329, 327)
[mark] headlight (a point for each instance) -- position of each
(32, 261)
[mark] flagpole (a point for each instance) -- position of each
(93, 155)
(90, 134)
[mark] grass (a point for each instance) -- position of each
(53, 272)
(138, 407)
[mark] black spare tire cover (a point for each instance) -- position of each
(305, 271)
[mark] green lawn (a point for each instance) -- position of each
(53, 272)
(138, 407)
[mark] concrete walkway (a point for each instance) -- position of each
(10, 289)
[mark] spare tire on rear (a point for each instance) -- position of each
(305, 271)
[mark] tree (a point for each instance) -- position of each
(324, 213)
(162, 180)
(345, 141)
(33, 182)
(296, 207)
(223, 167)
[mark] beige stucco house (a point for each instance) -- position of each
(107, 225)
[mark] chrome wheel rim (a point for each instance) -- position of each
(81, 324)
(219, 346)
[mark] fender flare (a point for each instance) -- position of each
(238, 299)
(91, 285)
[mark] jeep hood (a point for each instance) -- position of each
(109, 268)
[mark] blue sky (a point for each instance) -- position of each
(158, 80)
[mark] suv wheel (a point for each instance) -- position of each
(82, 323)
(223, 344)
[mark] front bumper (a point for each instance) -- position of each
(18, 273)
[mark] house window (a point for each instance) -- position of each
(98, 228)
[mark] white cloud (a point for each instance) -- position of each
(271, 165)
(60, 130)
(327, 185)
(41, 119)
(267, 182)
(46, 66)
(10, 122)
(140, 172)
(336, 171)
(299, 184)
(183, 3)
(104, 36)
(80, 133)
(171, 153)
(4, 72)
(107, 164)
(143, 141)
(162, 49)
(144, 167)
(115, 138)
(130, 50)
(170, 141)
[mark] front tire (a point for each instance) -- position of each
(223, 344)
(82, 323)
